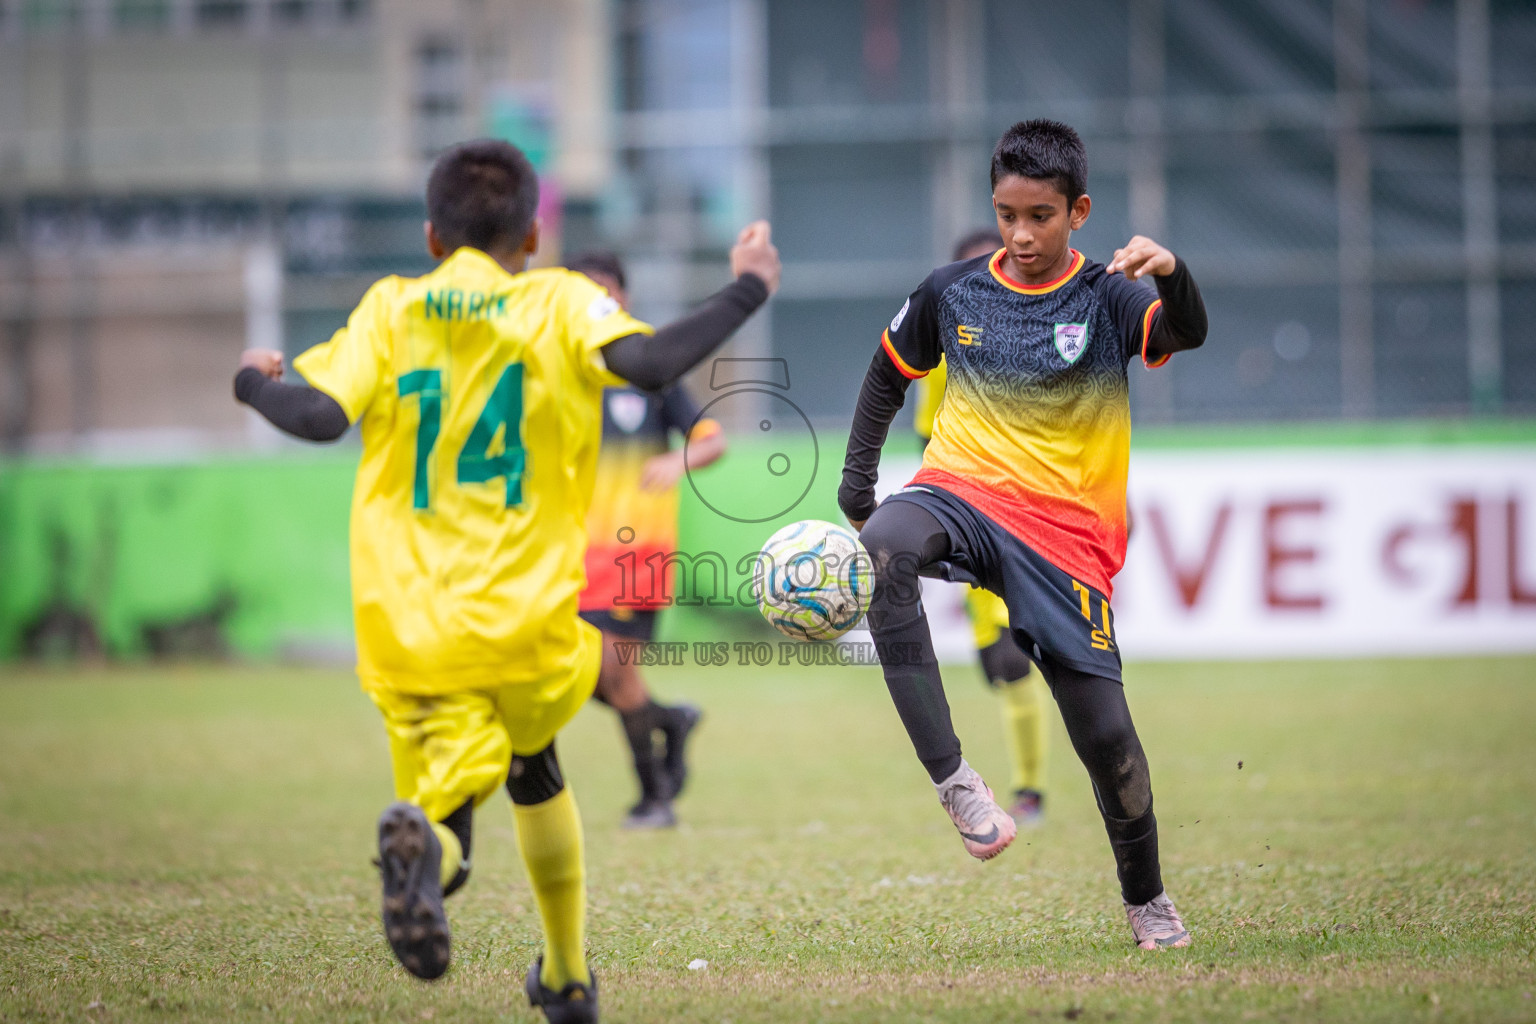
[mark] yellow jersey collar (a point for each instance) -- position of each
(469, 254)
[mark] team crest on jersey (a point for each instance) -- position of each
(628, 410)
(901, 314)
(603, 306)
(1071, 339)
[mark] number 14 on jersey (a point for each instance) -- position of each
(502, 417)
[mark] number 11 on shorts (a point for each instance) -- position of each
(1102, 639)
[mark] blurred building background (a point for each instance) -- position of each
(182, 178)
(1354, 181)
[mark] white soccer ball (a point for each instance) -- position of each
(813, 580)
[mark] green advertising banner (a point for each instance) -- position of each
(248, 556)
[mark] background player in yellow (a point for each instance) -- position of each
(633, 521)
(1006, 667)
(477, 389)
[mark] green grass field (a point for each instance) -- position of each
(1347, 840)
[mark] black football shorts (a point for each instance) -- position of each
(632, 624)
(1049, 612)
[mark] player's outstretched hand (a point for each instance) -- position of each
(754, 253)
(1140, 257)
(268, 360)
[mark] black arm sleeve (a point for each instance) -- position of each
(884, 391)
(1180, 324)
(678, 409)
(651, 363)
(301, 411)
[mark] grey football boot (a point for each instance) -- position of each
(985, 828)
(1156, 924)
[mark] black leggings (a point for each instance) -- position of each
(903, 538)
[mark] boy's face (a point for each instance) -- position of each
(1036, 224)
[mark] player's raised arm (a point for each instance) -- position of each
(345, 372)
(1180, 323)
(909, 348)
(883, 393)
(653, 362)
(304, 412)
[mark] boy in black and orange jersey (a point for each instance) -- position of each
(1022, 488)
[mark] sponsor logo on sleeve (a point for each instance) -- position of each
(901, 315)
(603, 306)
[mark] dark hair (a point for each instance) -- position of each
(1046, 151)
(599, 261)
(981, 236)
(483, 194)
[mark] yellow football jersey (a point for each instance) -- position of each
(930, 395)
(480, 399)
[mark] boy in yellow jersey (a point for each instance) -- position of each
(478, 389)
(1006, 667)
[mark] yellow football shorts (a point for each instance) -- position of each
(454, 747)
(989, 616)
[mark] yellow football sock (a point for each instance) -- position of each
(453, 852)
(1024, 728)
(549, 838)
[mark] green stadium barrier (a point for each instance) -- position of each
(250, 555)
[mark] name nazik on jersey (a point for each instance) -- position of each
(455, 305)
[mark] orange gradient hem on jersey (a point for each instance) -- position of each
(1058, 529)
(1061, 488)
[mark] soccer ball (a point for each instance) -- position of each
(813, 580)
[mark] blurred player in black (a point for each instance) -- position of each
(633, 518)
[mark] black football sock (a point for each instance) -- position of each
(640, 727)
(1134, 842)
(1099, 724)
(900, 537)
(462, 824)
(670, 719)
